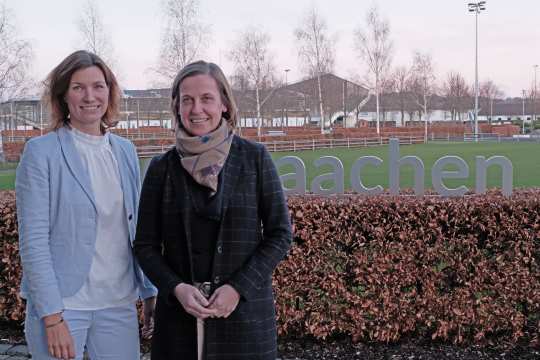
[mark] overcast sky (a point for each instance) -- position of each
(509, 34)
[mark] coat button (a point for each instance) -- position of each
(130, 217)
(219, 249)
(216, 280)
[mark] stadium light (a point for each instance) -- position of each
(476, 8)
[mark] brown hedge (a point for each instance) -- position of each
(382, 268)
(11, 305)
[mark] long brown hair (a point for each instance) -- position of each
(57, 85)
(205, 68)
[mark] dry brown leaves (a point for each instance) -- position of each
(380, 268)
(383, 268)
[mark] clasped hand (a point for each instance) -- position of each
(221, 304)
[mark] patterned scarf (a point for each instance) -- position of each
(204, 156)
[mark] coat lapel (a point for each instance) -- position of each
(75, 163)
(182, 198)
(231, 171)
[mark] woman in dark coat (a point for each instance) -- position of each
(213, 225)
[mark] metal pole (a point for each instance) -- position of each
(523, 119)
(40, 118)
(476, 8)
(491, 112)
(476, 80)
(286, 102)
(127, 114)
(138, 113)
(534, 99)
(12, 120)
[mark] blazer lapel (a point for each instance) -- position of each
(75, 163)
(122, 170)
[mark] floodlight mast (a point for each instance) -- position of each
(476, 8)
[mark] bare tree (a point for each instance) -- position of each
(457, 94)
(94, 35)
(401, 76)
(489, 91)
(375, 49)
(183, 40)
(531, 96)
(252, 60)
(355, 78)
(15, 57)
(239, 82)
(315, 50)
(387, 96)
(422, 84)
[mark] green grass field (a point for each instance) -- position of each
(7, 179)
(7, 175)
(525, 158)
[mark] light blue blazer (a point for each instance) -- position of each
(57, 217)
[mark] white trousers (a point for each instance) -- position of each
(108, 334)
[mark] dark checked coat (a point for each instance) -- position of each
(254, 236)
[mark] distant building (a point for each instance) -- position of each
(512, 109)
(23, 114)
(345, 103)
(403, 109)
(137, 108)
(297, 104)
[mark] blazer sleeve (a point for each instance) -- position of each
(276, 231)
(33, 203)
(148, 241)
(146, 288)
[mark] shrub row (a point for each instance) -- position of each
(11, 305)
(382, 268)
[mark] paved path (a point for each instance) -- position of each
(20, 352)
(13, 352)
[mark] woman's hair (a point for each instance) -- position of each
(57, 85)
(205, 68)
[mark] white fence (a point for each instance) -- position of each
(299, 145)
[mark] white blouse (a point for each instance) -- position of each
(111, 281)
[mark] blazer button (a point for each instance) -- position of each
(219, 249)
(216, 280)
(130, 217)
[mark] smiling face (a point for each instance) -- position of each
(200, 105)
(87, 98)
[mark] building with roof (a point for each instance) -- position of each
(510, 110)
(137, 108)
(344, 102)
(297, 104)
